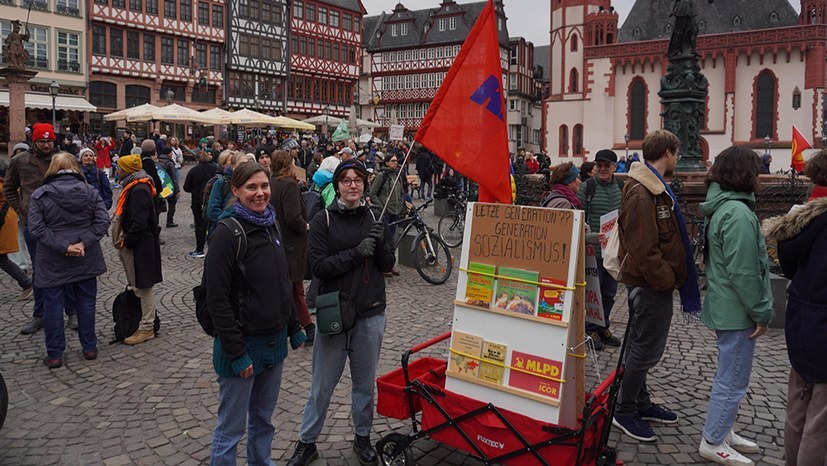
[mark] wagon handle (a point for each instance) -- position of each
(405, 358)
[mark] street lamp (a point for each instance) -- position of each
(767, 141)
(626, 138)
(54, 89)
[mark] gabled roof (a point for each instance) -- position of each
(650, 19)
(422, 26)
(352, 5)
(542, 57)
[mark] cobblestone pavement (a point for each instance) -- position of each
(155, 403)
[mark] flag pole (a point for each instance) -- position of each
(396, 180)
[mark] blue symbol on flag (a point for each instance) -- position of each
(490, 90)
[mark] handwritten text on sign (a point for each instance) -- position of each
(530, 238)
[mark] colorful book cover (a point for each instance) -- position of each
(531, 373)
(520, 295)
(492, 366)
(480, 286)
(552, 299)
(465, 354)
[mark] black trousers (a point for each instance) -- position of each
(200, 228)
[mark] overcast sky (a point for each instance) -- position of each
(526, 18)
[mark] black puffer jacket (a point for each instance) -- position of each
(269, 291)
(334, 259)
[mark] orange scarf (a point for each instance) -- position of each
(127, 188)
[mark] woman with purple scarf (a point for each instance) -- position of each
(565, 183)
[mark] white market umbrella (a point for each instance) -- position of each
(247, 117)
(221, 116)
(129, 113)
(323, 119)
(174, 113)
(290, 123)
(360, 123)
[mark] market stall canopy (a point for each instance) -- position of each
(221, 116)
(323, 119)
(284, 122)
(247, 117)
(129, 113)
(44, 101)
(174, 113)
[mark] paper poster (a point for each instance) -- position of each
(396, 132)
(607, 224)
(533, 374)
(594, 301)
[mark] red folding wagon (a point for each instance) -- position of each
(416, 391)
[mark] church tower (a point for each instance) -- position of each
(813, 12)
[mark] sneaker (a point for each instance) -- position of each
(196, 254)
(310, 331)
(52, 363)
(657, 413)
(598, 343)
(90, 355)
(610, 339)
(364, 450)
(172, 225)
(32, 326)
(72, 322)
(740, 444)
(304, 454)
(723, 454)
(634, 426)
(26, 294)
(139, 336)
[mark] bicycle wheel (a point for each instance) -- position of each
(451, 228)
(4, 400)
(436, 265)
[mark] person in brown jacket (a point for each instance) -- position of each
(291, 215)
(8, 240)
(26, 173)
(653, 251)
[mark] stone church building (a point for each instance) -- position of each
(765, 65)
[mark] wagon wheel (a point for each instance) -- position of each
(393, 450)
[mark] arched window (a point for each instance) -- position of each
(574, 44)
(765, 98)
(573, 80)
(103, 94)
(637, 109)
(564, 141)
(136, 95)
(577, 140)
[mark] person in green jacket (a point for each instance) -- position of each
(738, 303)
(383, 190)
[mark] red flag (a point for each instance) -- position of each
(465, 124)
(799, 144)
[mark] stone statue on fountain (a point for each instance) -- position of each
(14, 52)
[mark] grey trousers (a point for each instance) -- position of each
(805, 430)
(646, 343)
(146, 295)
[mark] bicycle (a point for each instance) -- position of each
(4, 400)
(451, 226)
(432, 257)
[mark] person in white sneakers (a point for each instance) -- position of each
(738, 302)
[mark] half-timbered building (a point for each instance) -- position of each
(324, 57)
(155, 51)
(257, 54)
(764, 63)
(525, 109)
(412, 50)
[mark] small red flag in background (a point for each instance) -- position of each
(800, 143)
(465, 124)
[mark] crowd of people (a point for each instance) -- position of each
(250, 206)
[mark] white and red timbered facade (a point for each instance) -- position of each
(257, 54)
(411, 51)
(525, 109)
(155, 51)
(765, 65)
(325, 36)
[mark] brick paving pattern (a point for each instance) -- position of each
(155, 403)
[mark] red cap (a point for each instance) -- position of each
(43, 131)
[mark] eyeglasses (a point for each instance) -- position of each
(392, 160)
(45, 141)
(350, 181)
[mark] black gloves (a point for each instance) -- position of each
(377, 230)
(366, 247)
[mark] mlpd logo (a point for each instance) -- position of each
(491, 90)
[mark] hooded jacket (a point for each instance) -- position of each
(802, 251)
(380, 192)
(64, 211)
(738, 294)
(651, 249)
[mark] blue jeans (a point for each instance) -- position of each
(239, 398)
(735, 353)
(84, 293)
(329, 354)
(69, 298)
(608, 290)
